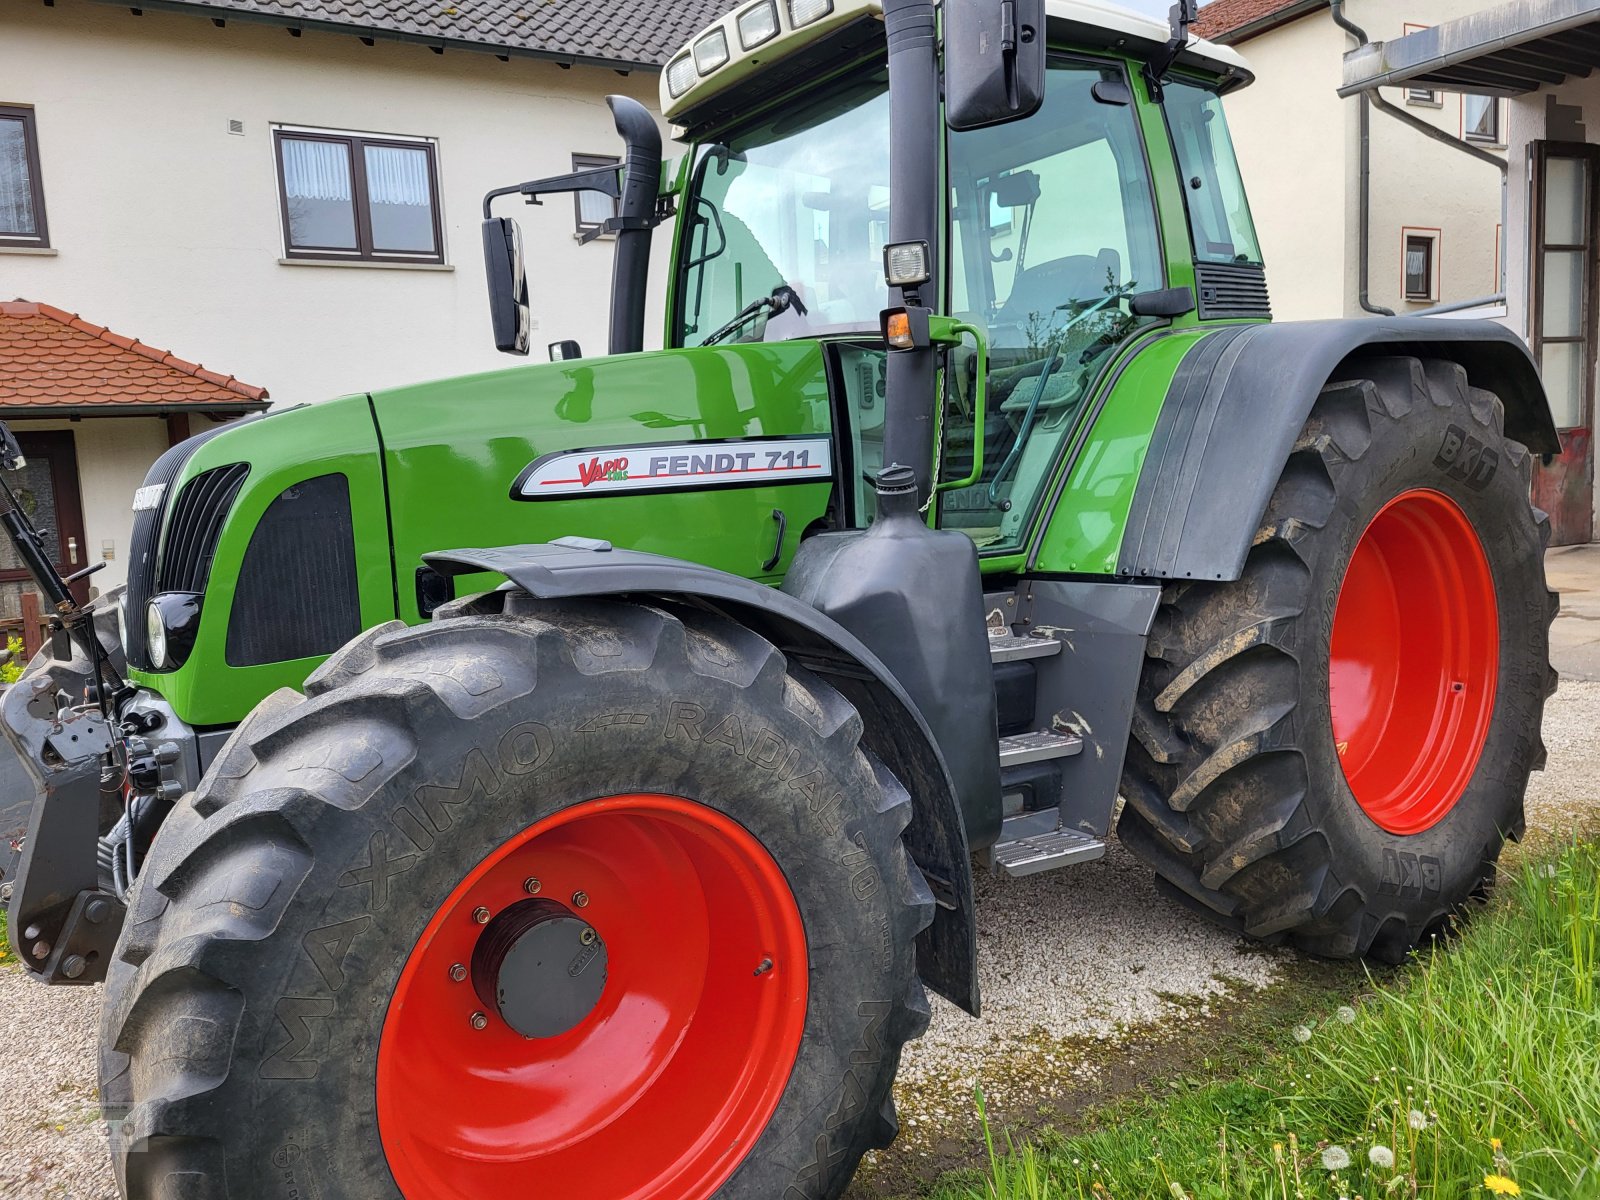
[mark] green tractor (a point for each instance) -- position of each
(609, 856)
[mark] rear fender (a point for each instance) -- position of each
(1239, 401)
(893, 728)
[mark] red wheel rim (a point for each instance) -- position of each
(1416, 652)
(662, 1089)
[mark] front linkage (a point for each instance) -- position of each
(94, 764)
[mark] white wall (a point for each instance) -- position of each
(166, 227)
(1299, 147)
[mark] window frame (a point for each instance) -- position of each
(1497, 110)
(1192, 230)
(1541, 152)
(355, 145)
(592, 162)
(1421, 97)
(30, 153)
(1434, 238)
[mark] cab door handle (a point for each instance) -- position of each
(777, 546)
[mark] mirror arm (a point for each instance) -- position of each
(1184, 13)
(600, 179)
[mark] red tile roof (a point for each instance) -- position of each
(1220, 18)
(51, 359)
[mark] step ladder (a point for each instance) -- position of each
(1032, 841)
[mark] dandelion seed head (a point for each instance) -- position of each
(1416, 1121)
(1381, 1157)
(1346, 1014)
(1302, 1033)
(1335, 1158)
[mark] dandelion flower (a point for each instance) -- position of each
(1302, 1033)
(1494, 1144)
(1177, 1191)
(1501, 1186)
(1416, 1121)
(1335, 1158)
(1381, 1157)
(1346, 1014)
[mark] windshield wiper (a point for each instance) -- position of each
(781, 299)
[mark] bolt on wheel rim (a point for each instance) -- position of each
(662, 1087)
(1414, 661)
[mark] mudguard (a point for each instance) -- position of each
(1240, 399)
(894, 729)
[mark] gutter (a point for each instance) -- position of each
(74, 412)
(439, 45)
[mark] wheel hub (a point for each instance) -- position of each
(541, 966)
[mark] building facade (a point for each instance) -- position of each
(1432, 213)
(290, 193)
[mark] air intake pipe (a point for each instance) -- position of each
(636, 216)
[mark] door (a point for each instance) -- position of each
(1561, 324)
(47, 490)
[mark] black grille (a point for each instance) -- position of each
(296, 595)
(143, 542)
(195, 526)
(1232, 290)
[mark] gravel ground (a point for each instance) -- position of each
(1070, 963)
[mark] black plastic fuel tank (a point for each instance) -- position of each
(914, 595)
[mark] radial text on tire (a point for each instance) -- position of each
(601, 901)
(1333, 748)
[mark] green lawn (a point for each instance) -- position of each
(1476, 1072)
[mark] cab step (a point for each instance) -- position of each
(1008, 647)
(1037, 745)
(1045, 851)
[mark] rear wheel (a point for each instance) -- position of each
(1333, 748)
(601, 901)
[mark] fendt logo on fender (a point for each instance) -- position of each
(1462, 456)
(669, 466)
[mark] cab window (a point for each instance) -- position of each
(1213, 188)
(1053, 229)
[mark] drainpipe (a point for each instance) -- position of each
(1371, 98)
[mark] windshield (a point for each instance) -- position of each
(786, 223)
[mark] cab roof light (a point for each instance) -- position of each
(680, 76)
(758, 24)
(711, 51)
(804, 12)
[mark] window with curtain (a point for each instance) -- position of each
(364, 199)
(593, 207)
(21, 194)
(1420, 255)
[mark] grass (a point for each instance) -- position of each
(5, 937)
(1478, 1070)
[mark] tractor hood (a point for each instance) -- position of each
(687, 453)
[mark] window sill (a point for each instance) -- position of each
(367, 263)
(37, 251)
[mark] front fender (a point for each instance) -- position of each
(893, 728)
(1239, 401)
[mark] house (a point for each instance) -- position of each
(1402, 224)
(1540, 58)
(289, 191)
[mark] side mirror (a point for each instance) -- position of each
(565, 350)
(508, 285)
(993, 61)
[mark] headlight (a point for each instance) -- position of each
(170, 623)
(803, 12)
(711, 51)
(758, 25)
(155, 637)
(680, 76)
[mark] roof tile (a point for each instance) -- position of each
(50, 358)
(1219, 18)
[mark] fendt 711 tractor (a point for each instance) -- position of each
(609, 857)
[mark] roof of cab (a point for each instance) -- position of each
(1094, 23)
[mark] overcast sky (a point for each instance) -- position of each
(1154, 8)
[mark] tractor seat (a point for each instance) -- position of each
(1040, 288)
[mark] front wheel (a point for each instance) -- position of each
(600, 901)
(1333, 748)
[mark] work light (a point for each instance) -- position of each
(905, 264)
(711, 51)
(680, 76)
(757, 25)
(803, 12)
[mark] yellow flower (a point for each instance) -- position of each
(1501, 1186)
(1494, 1143)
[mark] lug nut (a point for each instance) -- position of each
(96, 911)
(531, 886)
(458, 972)
(587, 937)
(480, 915)
(479, 1021)
(580, 899)
(74, 965)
